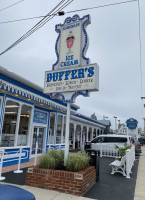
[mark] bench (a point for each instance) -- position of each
(119, 166)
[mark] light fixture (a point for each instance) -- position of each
(10, 113)
(16, 95)
(29, 99)
(24, 115)
(11, 106)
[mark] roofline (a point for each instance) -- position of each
(27, 82)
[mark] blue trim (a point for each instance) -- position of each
(40, 117)
(19, 84)
(56, 147)
(18, 99)
(43, 109)
(91, 120)
(86, 38)
(83, 93)
(14, 161)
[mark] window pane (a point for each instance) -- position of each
(64, 127)
(9, 124)
(23, 127)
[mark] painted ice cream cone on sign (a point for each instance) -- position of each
(70, 42)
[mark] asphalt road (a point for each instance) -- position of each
(113, 187)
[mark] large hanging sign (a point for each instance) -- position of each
(72, 79)
(132, 123)
(72, 74)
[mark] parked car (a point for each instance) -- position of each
(137, 145)
(141, 140)
(110, 140)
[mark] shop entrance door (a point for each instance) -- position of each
(38, 136)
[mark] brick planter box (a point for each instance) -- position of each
(76, 183)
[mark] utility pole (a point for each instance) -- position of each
(115, 122)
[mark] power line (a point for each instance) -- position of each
(107, 5)
(11, 5)
(41, 23)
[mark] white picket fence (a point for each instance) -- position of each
(130, 158)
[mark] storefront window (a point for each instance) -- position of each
(24, 125)
(59, 128)
(9, 124)
(51, 128)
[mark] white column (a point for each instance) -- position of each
(55, 128)
(67, 134)
(87, 134)
(30, 130)
(2, 113)
(17, 124)
(81, 135)
(74, 136)
(62, 127)
(92, 133)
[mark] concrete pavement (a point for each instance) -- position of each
(140, 182)
(42, 194)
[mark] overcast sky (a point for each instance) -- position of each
(113, 44)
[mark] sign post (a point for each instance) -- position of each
(67, 134)
(72, 74)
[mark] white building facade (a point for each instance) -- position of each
(28, 116)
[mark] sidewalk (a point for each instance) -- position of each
(140, 182)
(42, 194)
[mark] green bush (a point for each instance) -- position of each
(77, 162)
(47, 162)
(54, 159)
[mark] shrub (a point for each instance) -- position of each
(47, 162)
(77, 162)
(54, 159)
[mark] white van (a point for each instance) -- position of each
(109, 141)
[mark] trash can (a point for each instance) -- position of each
(95, 160)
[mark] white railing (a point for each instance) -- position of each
(130, 158)
(108, 151)
(11, 155)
